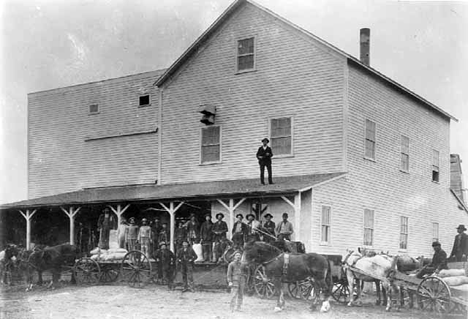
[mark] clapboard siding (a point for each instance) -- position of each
(293, 77)
(67, 147)
(380, 185)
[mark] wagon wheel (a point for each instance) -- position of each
(340, 291)
(136, 269)
(108, 273)
(262, 285)
(304, 289)
(86, 271)
(434, 295)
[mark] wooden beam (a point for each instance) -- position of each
(28, 215)
(172, 210)
(71, 213)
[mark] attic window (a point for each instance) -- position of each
(144, 100)
(245, 55)
(93, 109)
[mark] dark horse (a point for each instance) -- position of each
(283, 267)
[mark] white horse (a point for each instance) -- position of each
(374, 268)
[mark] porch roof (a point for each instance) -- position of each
(171, 192)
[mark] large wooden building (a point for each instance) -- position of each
(359, 160)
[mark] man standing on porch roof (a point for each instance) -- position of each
(264, 155)
(284, 229)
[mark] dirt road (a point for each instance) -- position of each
(118, 301)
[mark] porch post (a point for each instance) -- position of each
(171, 210)
(28, 215)
(297, 214)
(118, 210)
(231, 208)
(71, 215)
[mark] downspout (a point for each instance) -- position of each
(160, 111)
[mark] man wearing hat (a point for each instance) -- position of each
(219, 230)
(144, 237)
(185, 258)
(253, 226)
(105, 224)
(166, 263)
(439, 261)
(264, 155)
(131, 236)
(269, 227)
(206, 237)
(193, 229)
(236, 281)
(239, 232)
(284, 229)
(460, 245)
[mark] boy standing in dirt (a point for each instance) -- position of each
(236, 281)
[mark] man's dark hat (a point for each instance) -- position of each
(248, 215)
(268, 215)
(436, 243)
(285, 215)
(222, 215)
(265, 139)
(461, 226)
(162, 243)
(240, 215)
(207, 214)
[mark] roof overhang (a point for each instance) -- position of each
(245, 188)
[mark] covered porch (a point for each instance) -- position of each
(78, 211)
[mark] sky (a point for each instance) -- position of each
(46, 44)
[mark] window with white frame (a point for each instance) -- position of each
(326, 225)
(245, 54)
(435, 231)
(403, 232)
(435, 166)
(210, 144)
(281, 135)
(404, 153)
(368, 227)
(370, 140)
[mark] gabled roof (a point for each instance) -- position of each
(239, 3)
(191, 191)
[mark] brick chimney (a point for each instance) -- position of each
(365, 45)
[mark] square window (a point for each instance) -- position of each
(211, 144)
(94, 109)
(245, 54)
(144, 100)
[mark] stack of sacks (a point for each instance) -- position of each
(455, 278)
(197, 248)
(115, 254)
(97, 253)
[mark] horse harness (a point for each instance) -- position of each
(285, 262)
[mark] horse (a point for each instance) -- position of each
(283, 267)
(8, 258)
(376, 268)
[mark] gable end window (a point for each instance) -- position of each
(404, 165)
(211, 144)
(144, 100)
(435, 166)
(93, 109)
(370, 140)
(368, 227)
(281, 136)
(326, 225)
(245, 55)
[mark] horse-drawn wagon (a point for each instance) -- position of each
(135, 268)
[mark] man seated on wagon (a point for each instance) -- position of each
(439, 261)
